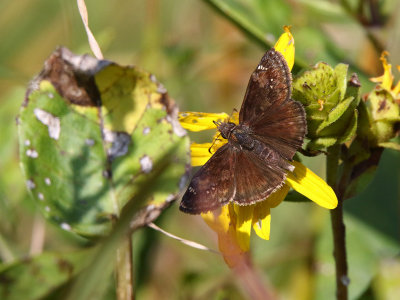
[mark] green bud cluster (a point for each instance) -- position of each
(330, 99)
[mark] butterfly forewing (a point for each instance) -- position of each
(213, 185)
(270, 84)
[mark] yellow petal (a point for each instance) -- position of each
(223, 222)
(199, 153)
(396, 89)
(276, 198)
(198, 121)
(310, 185)
(244, 217)
(285, 45)
(219, 220)
(262, 220)
(386, 80)
(234, 118)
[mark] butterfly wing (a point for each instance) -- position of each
(276, 120)
(277, 125)
(282, 128)
(270, 84)
(213, 185)
(258, 174)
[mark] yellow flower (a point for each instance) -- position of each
(386, 79)
(232, 222)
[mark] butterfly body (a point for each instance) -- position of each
(238, 135)
(254, 161)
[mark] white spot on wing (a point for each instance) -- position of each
(146, 164)
(260, 67)
(52, 122)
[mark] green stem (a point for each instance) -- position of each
(338, 228)
(250, 30)
(124, 270)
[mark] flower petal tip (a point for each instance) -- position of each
(285, 45)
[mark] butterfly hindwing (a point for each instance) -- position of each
(257, 177)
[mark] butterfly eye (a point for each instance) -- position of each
(223, 135)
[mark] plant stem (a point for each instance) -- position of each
(338, 228)
(124, 270)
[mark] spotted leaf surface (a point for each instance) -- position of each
(91, 132)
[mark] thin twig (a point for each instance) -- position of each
(338, 227)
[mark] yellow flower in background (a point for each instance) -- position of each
(386, 79)
(233, 222)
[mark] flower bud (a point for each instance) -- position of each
(330, 100)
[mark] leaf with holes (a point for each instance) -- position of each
(91, 132)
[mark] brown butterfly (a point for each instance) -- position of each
(254, 162)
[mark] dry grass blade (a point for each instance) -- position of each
(183, 241)
(92, 40)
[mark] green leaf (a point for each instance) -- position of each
(321, 143)
(340, 72)
(351, 128)
(36, 277)
(91, 135)
(335, 114)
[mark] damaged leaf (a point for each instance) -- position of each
(91, 132)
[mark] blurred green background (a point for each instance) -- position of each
(204, 52)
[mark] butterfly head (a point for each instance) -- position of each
(225, 128)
